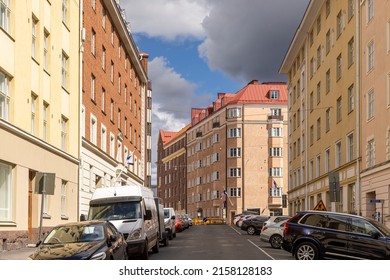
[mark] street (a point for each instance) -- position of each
(218, 242)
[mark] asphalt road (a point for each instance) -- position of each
(218, 242)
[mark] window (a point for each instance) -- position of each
(339, 67)
(46, 50)
(276, 172)
(351, 52)
(339, 24)
(327, 79)
(370, 10)
(34, 37)
(276, 132)
(4, 96)
(234, 132)
(370, 105)
(370, 56)
(327, 160)
(370, 153)
(351, 8)
(64, 200)
(327, 8)
(319, 57)
(274, 94)
(234, 113)
(112, 110)
(45, 120)
(103, 103)
(235, 172)
(103, 58)
(318, 92)
(235, 192)
(65, 11)
(103, 140)
(318, 128)
(311, 100)
(33, 113)
(119, 152)
(64, 70)
(104, 18)
(93, 3)
(93, 130)
(276, 152)
(119, 84)
(6, 192)
(311, 67)
(311, 38)
(93, 42)
(5, 16)
(119, 118)
(93, 79)
(327, 44)
(327, 121)
(112, 72)
(350, 153)
(64, 133)
(235, 152)
(351, 98)
(318, 165)
(338, 154)
(311, 135)
(339, 109)
(318, 24)
(112, 145)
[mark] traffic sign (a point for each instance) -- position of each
(377, 200)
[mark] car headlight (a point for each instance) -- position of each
(136, 234)
(99, 256)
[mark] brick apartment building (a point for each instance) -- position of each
(116, 102)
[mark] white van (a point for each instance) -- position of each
(170, 221)
(133, 211)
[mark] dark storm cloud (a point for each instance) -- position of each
(248, 39)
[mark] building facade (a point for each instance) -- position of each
(39, 117)
(375, 109)
(324, 109)
(172, 169)
(236, 153)
(116, 103)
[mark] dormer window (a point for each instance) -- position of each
(274, 94)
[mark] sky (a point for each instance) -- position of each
(199, 48)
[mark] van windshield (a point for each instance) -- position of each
(166, 214)
(115, 211)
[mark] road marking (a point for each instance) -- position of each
(250, 241)
(236, 230)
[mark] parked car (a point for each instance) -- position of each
(178, 224)
(189, 219)
(243, 218)
(275, 219)
(170, 221)
(254, 224)
(311, 235)
(184, 221)
(87, 240)
(273, 234)
(237, 217)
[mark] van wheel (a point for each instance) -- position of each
(145, 254)
(170, 235)
(156, 248)
(166, 241)
(306, 251)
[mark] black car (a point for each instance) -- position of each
(311, 235)
(254, 225)
(87, 240)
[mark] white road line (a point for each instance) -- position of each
(235, 230)
(250, 241)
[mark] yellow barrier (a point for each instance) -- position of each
(209, 221)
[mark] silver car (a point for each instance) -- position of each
(273, 234)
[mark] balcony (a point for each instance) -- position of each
(274, 201)
(275, 117)
(199, 134)
(216, 124)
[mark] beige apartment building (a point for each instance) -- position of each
(39, 116)
(323, 108)
(375, 109)
(236, 153)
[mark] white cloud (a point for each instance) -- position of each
(167, 19)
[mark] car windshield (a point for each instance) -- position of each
(75, 234)
(115, 211)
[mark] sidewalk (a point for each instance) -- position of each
(20, 254)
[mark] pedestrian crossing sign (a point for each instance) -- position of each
(320, 206)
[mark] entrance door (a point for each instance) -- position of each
(30, 196)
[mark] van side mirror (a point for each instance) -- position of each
(173, 217)
(148, 215)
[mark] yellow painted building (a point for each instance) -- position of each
(324, 130)
(39, 115)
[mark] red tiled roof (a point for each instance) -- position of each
(168, 136)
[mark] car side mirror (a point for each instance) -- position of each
(375, 235)
(38, 243)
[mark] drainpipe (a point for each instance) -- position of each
(358, 109)
(81, 50)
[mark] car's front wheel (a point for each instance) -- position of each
(276, 241)
(306, 251)
(251, 230)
